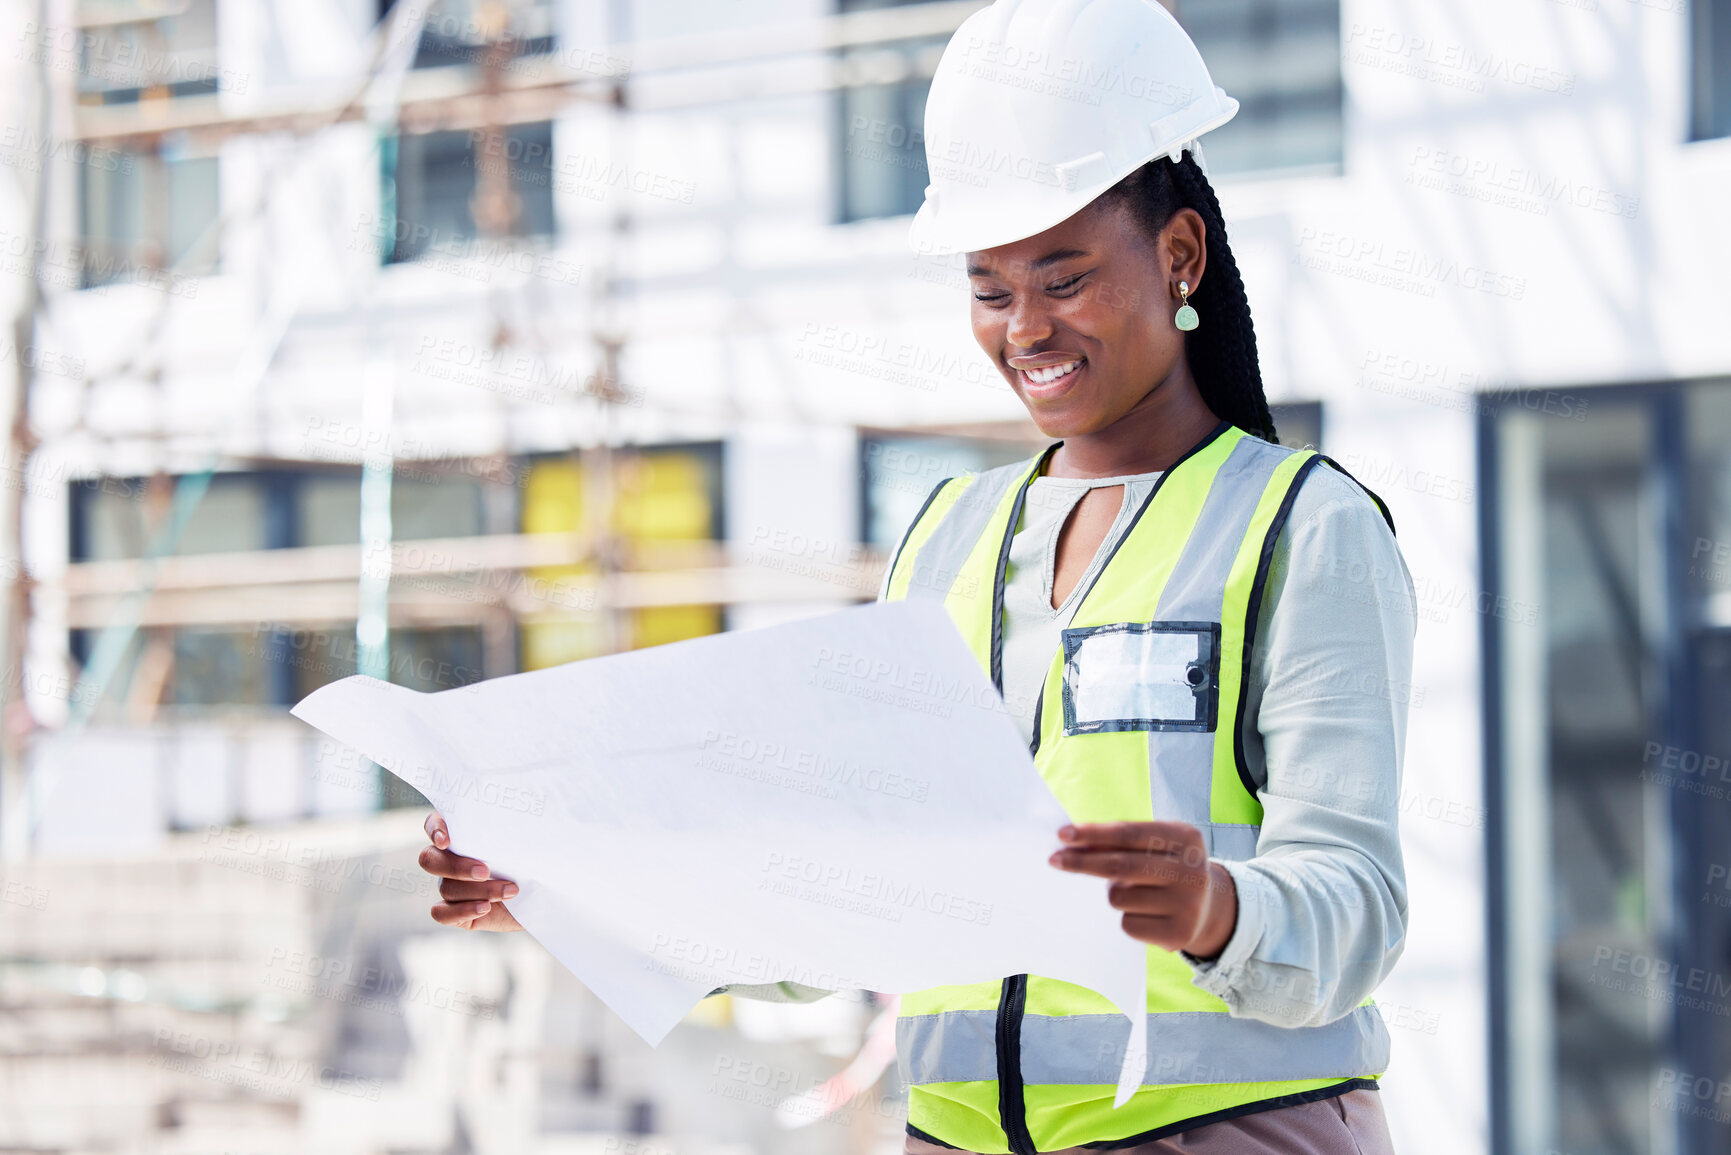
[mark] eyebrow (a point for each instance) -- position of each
(975, 269)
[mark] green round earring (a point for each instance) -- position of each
(1186, 318)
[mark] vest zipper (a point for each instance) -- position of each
(1013, 999)
(1012, 1107)
(1012, 1110)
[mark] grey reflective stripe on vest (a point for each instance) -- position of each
(941, 558)
(1203, 1047)
(1198, 581)
(1184, 1047)
(951, 1047)
(1181, 765)
(1231, 841)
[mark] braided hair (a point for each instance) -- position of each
(1222, 350)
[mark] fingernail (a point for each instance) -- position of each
(1057, 855)
(478, 872)
(483, 907)
(440, 840)
(1067, 833)
(510, 890)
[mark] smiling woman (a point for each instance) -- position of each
(1205, 637)
(1162, 624)
(1074, 316)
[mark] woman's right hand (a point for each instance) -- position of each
(472, 895)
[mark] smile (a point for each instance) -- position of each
(1047, 378)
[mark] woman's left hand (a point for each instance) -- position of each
(1172, 894)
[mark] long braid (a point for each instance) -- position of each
(1222, 350)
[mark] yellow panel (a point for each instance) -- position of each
(959, 997)
(553, 497)
(554, 640)
(964, 1115)
(657, 625)
(973, 596)
(1171, 986)
(716, 1012)
(1097, 777)
(553, 503)
(1124, 593)
(657, 496)
(921, 531)
(1169, 989)
(663, 496)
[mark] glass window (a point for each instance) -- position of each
(1709, 550)
(448, 507)
(882, 158)
(1280, 59)
(233, 516)
(1298, 424)
(116, 518)
(441, 658)
(218, 667)
(424, 659)
(131, 50)
(1710, 68)
(1604, 892)
(433, 182)
(1700, 775)
(459, 31)
(897, 474)
(1612, 660)
(147, 212)
(316, 656)
(328, 508)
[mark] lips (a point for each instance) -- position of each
(1050, 373)
(1051, 378)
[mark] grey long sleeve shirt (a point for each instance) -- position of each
(1322, 904)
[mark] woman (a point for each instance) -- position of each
(1204, 637)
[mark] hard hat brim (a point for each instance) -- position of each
(932, 233)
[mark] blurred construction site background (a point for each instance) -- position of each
(450, 341)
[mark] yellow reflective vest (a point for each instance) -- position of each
(1139, 719)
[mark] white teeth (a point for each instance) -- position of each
(1050, 372)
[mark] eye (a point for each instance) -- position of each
(1066, 284)
(991, 298)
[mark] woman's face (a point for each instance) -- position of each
(1078, 318)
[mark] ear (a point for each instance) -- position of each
(1186, 247)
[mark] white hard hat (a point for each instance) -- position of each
(1039, 106)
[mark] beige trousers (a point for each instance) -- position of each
(1349, 1124)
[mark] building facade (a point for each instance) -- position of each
(448, 343)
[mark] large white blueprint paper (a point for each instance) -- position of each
(840, 801)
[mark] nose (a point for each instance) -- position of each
(1029, 324)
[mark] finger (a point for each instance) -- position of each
(437, 831)
(467, 916)
(1161, 901)
(1155, 929)
(1145, 869)
(460, 914)
(454, 890)
(444, 864)
(1155, 836)
(497, 919)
